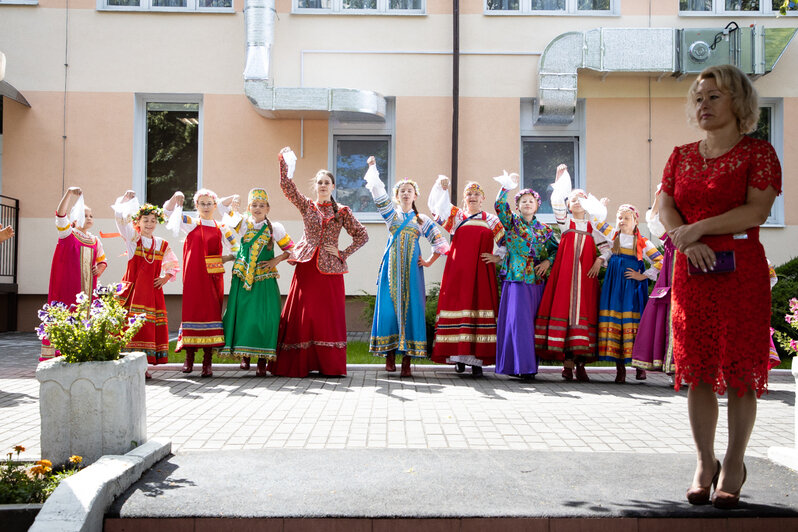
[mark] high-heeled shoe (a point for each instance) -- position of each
(700, 495)
(724, 500)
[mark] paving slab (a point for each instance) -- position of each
(425, 483)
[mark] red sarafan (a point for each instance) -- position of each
(726, 344)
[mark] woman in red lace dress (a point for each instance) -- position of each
(715, 194)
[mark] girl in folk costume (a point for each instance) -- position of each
(312, 334)
(252, 317)
(207, 246)
(468, 302)
(79, 259)
(531, 248)
(773, 355)
(652, 347)
(625, 291)
(399, 326)
(565, 328)
(151, 264)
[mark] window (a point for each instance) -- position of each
(351, 145)
(213, 6)
(771, 129)
(168, 133)
(545, 147)
(360, 7)
(541, 156)
(552, 7)
(20, 2)
(732, 7)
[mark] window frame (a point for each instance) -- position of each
(776, 106)
(525, 9)
(19, 2)
(336, 8)
(366, 130)
(146, 5)
(719, 10)
(576, 130)
(140, 136)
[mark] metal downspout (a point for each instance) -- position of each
(455, 96)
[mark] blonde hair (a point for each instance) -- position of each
(731, 80)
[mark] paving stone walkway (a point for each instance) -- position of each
(372, 409)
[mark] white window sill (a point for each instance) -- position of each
(700, 14)
(19, 2)
(509, 13)
(354, 12)
(131, 9)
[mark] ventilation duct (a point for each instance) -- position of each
(754, 50)
(297, 102)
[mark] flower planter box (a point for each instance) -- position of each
(91, 408)
(18, 517)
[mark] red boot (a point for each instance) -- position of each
(620, 375)
(640, 374)
(244, 363)
(568, 373)
(406, 367)
(188, 365)
(390, 362)
(261, 371)
(207, 358)
(147, 375)
(581, 373)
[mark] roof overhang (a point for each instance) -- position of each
(6, 89)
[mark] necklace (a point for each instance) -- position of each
(152, 251)
(710, 154)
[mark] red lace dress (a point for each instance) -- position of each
(721, 321)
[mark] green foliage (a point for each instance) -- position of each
(22, 483)
(785, 289)
(172, 151)
(91, 330)
(369, 304)
(431, 308)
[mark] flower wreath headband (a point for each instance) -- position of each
(473, 186)
(524, 192)
(149, 208)
(630, 208)
(404, 182)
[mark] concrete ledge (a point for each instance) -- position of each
(79, 503)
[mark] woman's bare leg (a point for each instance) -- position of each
(702, 408)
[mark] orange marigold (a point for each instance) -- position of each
(75, 459)
(19, 448)
(45, 463)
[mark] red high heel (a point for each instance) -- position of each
(700, 495)
(724, 500)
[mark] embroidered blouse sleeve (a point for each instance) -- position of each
(281, 238)
(450, 222)
(355, 230)
(434, 236)
(290, 190)
(384, 206)
(559, 208)
(603, 245)
(125, 227)
(170, 264)
(229, 240)
(497, 228)
(187, 223)
(63, 226)
(100, 252)
(765, 169)
(654, 258)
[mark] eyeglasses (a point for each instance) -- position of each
(205, 204)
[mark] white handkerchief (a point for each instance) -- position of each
(78, 212)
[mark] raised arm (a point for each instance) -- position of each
(66, 203)
(289, 188)
(375, 185)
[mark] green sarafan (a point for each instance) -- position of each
(94, 329)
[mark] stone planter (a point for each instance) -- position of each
(92, 408)
(18, 517)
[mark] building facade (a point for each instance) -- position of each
(159, 95)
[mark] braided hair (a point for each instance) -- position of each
(418, 216)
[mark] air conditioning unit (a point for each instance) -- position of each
(700, 48)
